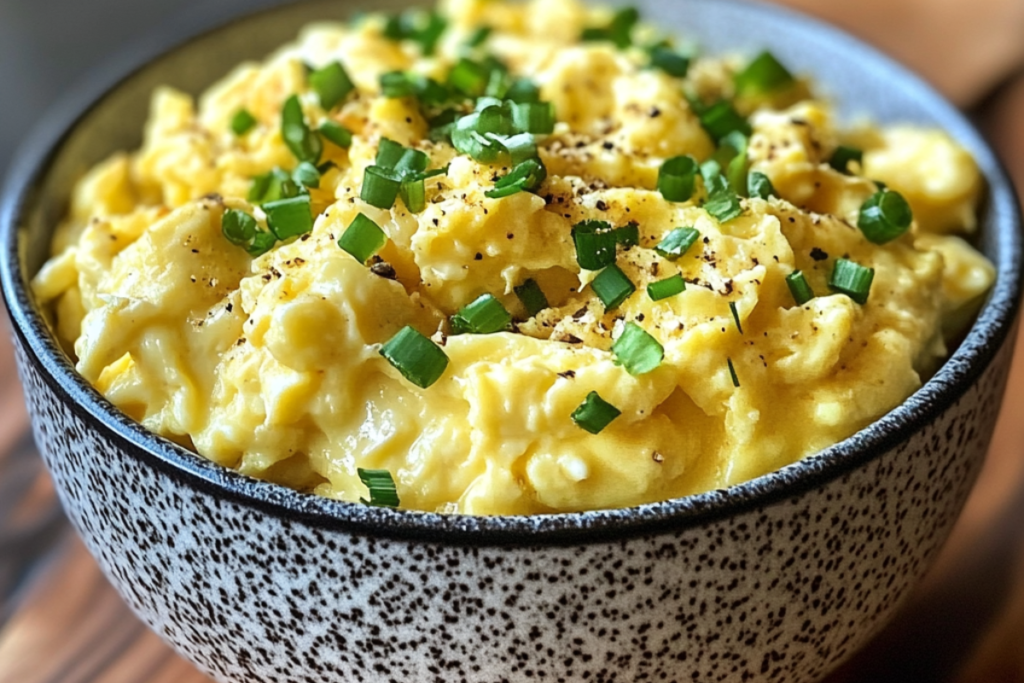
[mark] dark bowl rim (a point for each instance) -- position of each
(985, 339)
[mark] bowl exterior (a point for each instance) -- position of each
(784, 592)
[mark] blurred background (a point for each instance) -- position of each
(61, 623)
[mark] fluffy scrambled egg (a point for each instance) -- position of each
(271, 364)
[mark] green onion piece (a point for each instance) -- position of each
(735, 144)
(534, 117)
(842, 157)
(723, 203)
(402, 160)
(532, 297)
(765, 74)
(429, 35)
(732, 374)
(296, 134)
(526, 177)
(618, 31)
(595, 244)
(487, 149)
(612, 287)
(594, 414)
(441, 126)
(383, 492)
(486, 101)
(521, 148)
(676, 243)
(884, 216)
(628, 235)
(261, 244)
(242, 122)
(676, 178)
(420, 360)
(709, 169)
(880, 185)
(336, 133)
(485, 315)
(799, 287)
(669, 61)
(414, 194)
(852, 279)
(760, 186)
(479, 36)
(721, 118)
(736, 316)
(332, 85)
(396, 84)
(669, 287)
(380, 187)
(637, 351)
(238, 227)
(498, 83)
(307, 174)
(425, 28)
(523, 91)
(290, 217)
(469, 77)
(274, 185)
(362, 238)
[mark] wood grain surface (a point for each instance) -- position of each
(61, 622)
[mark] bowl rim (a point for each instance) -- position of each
(957, 374)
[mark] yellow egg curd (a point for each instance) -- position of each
(579, 266)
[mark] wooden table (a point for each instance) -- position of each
(61, 622)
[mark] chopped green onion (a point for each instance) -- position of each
(441, 126)
(289, 218)
(425, 28)
(765, 74)
(413, 191)
(799, 287)
(238, 227)
(532, 297)
(595, 244)
(396, 84)
(736, 316)
(734, 145)
(721, 118)
(521, 148)
(362, 238)
(676, 178)
(485, 315)
(394, 156)
(676, 243)
(534, 117)
(619, 30)
(479, 36)
(669, 287)
(273, 186)
(296, 134)
(732, 374)
(526, 177)
(332, 85)
(261, 244)
(383, 492)
(242, 122)
(594, 414)
(669, 61)
(852, 279)
(637, 351)
(709, 169)
(498, 83)
(723, 203)
(628, 235)
(522, 91)
(336, 133)
(429, 35)
(469, 77)
(612, 287)
(759, 185)
(885, 216)
(420, 360)
(842, 157)
(307, 174)
(380, 187)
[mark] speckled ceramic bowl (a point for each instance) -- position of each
(779, 579)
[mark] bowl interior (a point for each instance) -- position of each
(100, 118)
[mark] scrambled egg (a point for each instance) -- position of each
(272, 366)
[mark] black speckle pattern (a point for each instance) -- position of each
(784, 592)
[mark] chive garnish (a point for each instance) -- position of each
(764, 74)
(736, 316)
(397, 169)
(363, 238)
(759, 185)
(242, 122)
(241, 229)
(290, 217)
(274, 185)
(676, 243)
(380, 187)
(534, 117)
(336, 133)
(261, 244)
(885, 216)
(636, 350)
(425, 28)
(669, 61)
(723, 203)
(852, 279)
(669, 287)
(734, 148)
(619, 30)
(732, 374)
(594, 414)
(676, 178)
(799, 287)
(485, 315)
(842, 157)
(526, 177)
(296, 134)
(628, 235)
(532, 297)
(469, 77)
(332, 84)
(721, 118)
(396, 84)
(394, 156)
(307, 174)
(413, 192)
(522, 91)
(479, 36)
(420, 360)
(383, 492)
(612, 287)
(595, 244)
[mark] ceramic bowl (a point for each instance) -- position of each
(778, 579)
